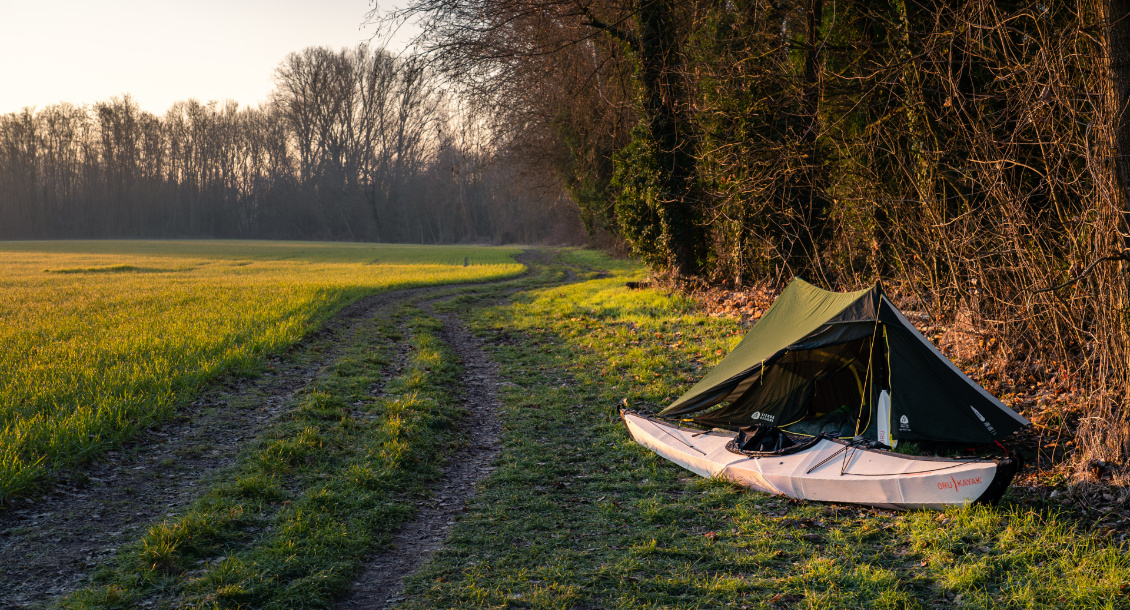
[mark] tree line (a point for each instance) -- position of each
(353, 144)
(971, 154)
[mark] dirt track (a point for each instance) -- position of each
(50, 544)
(380, 584)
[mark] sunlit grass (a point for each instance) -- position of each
(288, 524)
(576, 515)
(580, 516)
(101, 338)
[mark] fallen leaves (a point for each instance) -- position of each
(749, 304)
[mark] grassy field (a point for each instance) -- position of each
(579, 516)
(291, 523)
(287, 527)
(575, 515)
(99, 339)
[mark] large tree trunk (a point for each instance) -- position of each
(810, 201)
(1118, 49)
(658, 54)
(1105, 434)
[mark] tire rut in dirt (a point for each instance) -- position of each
(382, 581)
(49, 544)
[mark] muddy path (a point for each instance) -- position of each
(51, 543)
(381, 582)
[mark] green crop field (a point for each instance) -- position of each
(569, 513)
(101, 338)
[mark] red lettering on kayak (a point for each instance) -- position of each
(956, 484)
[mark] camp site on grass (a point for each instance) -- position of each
(814, 400)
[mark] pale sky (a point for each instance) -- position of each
(85, 51)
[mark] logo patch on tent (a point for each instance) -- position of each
(759, 415)
(983, 420)
(904, 424)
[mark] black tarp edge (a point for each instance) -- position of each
(913, 332)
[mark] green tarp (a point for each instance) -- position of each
(825, 361)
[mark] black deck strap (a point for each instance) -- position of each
(847, 456)
(623, 418)
(831, 457)
(664, 431)
(856, 443)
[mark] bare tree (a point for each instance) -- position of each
(491, 48)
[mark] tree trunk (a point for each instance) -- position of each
(811, 199)
(659, 60)
(1118, 46)
(1105, 434)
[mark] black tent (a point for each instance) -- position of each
(847, 364)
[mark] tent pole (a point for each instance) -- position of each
(868, 378)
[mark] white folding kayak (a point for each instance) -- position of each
(830, 470)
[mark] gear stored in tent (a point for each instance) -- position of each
(833, 363)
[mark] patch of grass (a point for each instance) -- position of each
(101, 345)
(288, 526)
(579, 516)
(1016, 558)
(111, 269)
